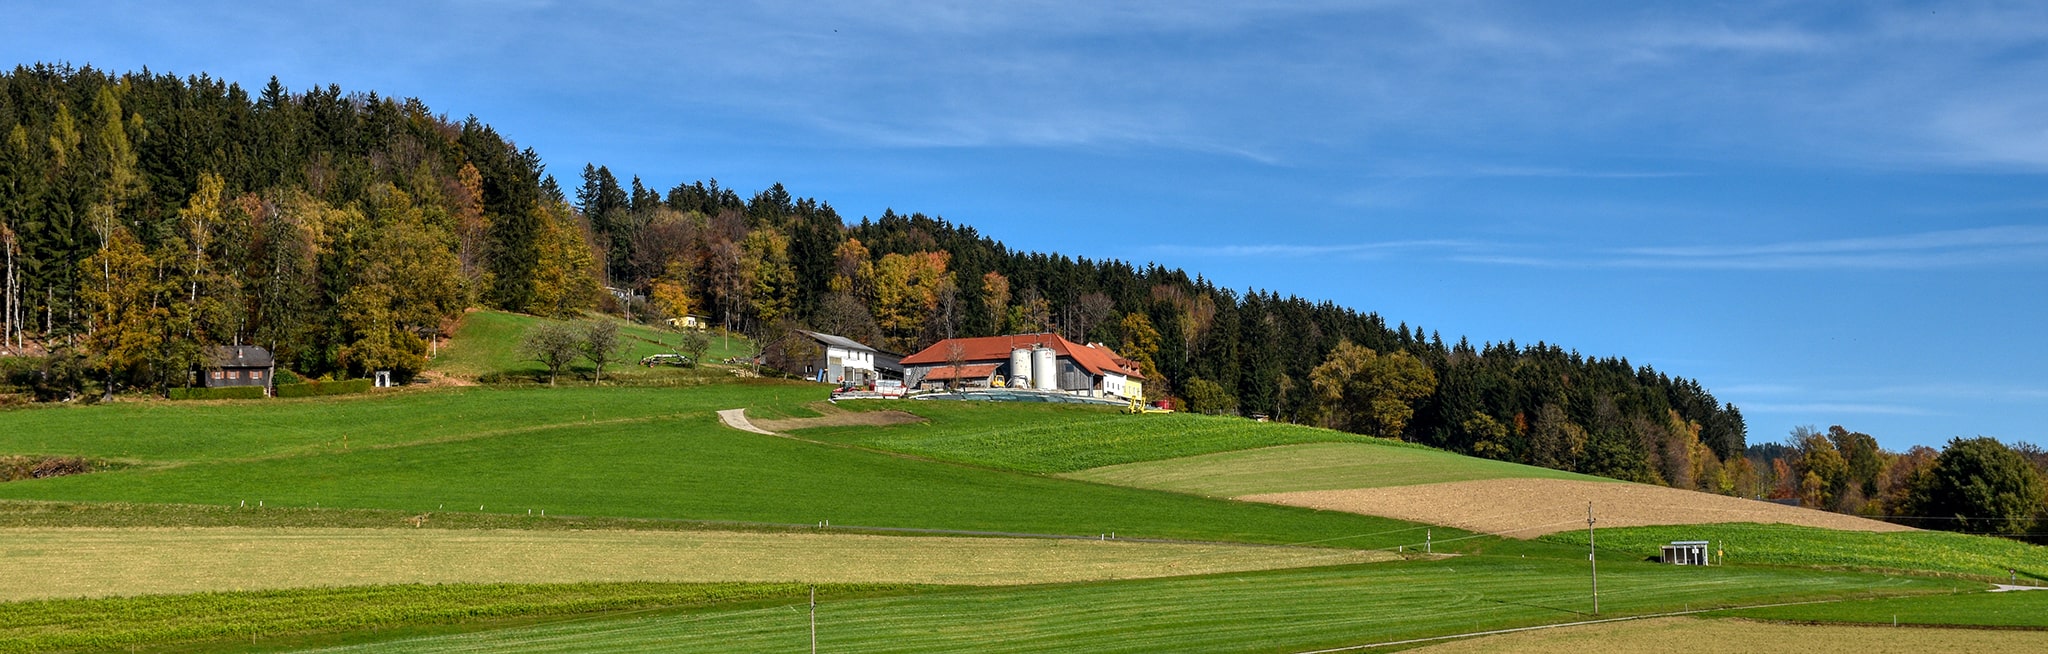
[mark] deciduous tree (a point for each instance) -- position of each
(1978, 485)
(1363, 391)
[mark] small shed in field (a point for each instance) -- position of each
(1687, 552)
(238, 365)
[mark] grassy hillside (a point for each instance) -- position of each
(662, 456)
(1683, 633)
(1053, 438)
(237, 620)
(644, 458)
(487, 343)
(1786, 545)
(1984, 609)
(193, 432)
(1314, 466)
(1291, 610)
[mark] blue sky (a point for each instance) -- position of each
(1829, 213)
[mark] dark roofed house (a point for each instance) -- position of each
(238, 365)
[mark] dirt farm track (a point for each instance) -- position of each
(1527, 508)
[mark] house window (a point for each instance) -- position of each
(216, 374)
(234, 374)
(255, 374)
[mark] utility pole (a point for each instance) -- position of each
(814, 620)
(1594, 563)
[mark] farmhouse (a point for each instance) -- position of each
(1045, 362)
(238, 365)
(842, 360)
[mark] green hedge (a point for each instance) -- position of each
(315, 389)
(221, 393)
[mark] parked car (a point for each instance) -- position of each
(678, 360)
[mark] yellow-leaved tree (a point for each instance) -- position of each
(1359, 390)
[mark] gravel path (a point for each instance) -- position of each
(737, 419)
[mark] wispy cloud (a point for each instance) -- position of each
(1355, 250)
(1990, 246)
(1935, 249)
(1831, 409)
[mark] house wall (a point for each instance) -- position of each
(840, 364)
(1113, 384)
(224, 377)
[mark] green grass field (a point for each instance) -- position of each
(676, 462)
(1981, 609)
(487, 342)
(1312, 466)
(289, 618)
(194, 432)
(1921, 552)
(1050, 438)
(1747, 636)
(1977, 609)
(620, 467)
(1290, 610)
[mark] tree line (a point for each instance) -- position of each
(148, 217)
(1976, 485)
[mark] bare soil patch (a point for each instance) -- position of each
(437, 379)
(1527, 508)
(1672, 634)
(830, 415)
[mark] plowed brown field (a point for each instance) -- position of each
(1527, 508)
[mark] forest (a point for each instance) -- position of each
(147, 217)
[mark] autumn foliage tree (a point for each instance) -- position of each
(1363, 391)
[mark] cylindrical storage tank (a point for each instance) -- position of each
(1020, 368)
(1045, 373)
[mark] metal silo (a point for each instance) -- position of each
(1045, 374)
(1020, 368)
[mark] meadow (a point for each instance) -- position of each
(2010, 609)
(232, 621)
(485, 345)
(641, 483)
(1050, 438)
(1287, 610)
(632, 461)
(101, 562)
(212, 431)
(1913, 552)
(1667, 634)
(1310, 467)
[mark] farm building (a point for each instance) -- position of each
(847, 361)
(1045, 362)
(1687, 552)
(238, 365)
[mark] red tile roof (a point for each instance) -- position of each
(1095, 358)
(976, 371)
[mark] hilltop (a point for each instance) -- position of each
(347, 232)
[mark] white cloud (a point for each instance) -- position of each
(1833, 409)
(2021, 245)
